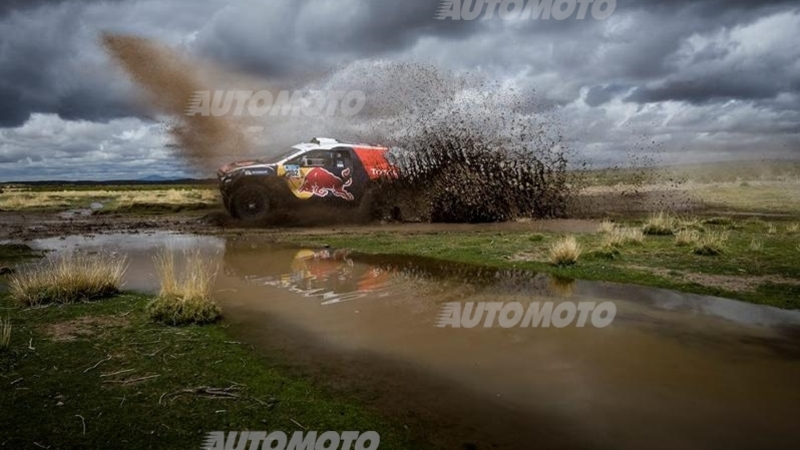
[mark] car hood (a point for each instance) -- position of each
(238, 165)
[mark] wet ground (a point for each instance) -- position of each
(671, 371)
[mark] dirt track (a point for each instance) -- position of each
(22, 226)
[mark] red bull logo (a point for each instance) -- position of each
(321, 183)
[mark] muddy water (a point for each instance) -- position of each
(671, 371)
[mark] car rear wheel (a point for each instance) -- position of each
(250, 203)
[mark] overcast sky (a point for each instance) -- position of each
(695, 80)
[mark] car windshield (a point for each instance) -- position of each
(280, 156)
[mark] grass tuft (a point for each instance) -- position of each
(661, 224)
(622, 236)
(5, 333)
(184, 298)
(606, 227)
(718, 221)
(772, 229)
(565, 251)
(710, 244)
(68, 279)
(606, 252)
(686, 237)
(756, 245)
(793, 227)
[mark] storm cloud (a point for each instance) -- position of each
(704, 80)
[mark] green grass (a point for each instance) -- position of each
(657, 261)
(14, 253)
(135, 384)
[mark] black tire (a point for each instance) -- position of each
(226, 201)
(368, 208)
(250, 203)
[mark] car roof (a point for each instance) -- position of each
(321, 143)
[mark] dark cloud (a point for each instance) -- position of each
(599, 95)
(648, 59)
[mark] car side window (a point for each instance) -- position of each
(314, 158)
(341, 158)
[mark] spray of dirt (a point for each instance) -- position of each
(469, 149)
(169, 81)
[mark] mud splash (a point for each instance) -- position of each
(470, 150)
(170, 82)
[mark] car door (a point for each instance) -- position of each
(321, 174)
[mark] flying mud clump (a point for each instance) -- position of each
(452, 174)
(468, 149)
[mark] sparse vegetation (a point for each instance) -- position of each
(622, 236)
(565, 251)
(68, 278)
(138, 384)
(661, 224)
(756, 245)
(184, 298)
(772, 229)
(740, 273)
(793, 227)
(606, 226)
(5, 333)
(112, 198)
(686, 237)
(718, 221)
(710, 244)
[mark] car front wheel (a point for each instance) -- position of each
(250, 203)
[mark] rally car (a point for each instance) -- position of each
(322, 170)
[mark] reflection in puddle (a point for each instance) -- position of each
(672, 371)
(139, 249)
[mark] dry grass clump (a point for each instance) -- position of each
(606, 227)
(622, 236)
(184, 298)
(5, 333)
(68, 279)
(565, 251)
(661, 224)
(793, 227)
(710, 244)
(772, 229)
(756, 245)
(686, 237)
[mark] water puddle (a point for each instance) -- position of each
(671, 371)
(138, 248)
(81, 212)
